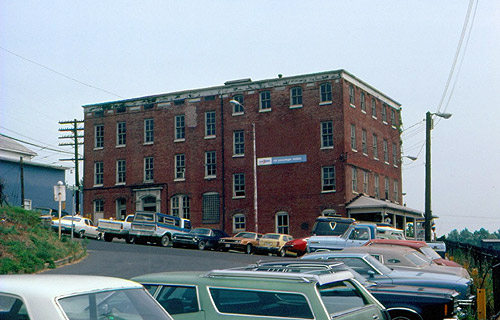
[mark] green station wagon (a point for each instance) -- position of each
(238, 294)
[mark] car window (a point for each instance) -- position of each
(341, 296)
(117, 304)
(261, 303)
(418, 259)
(178, 299)
(359, 265)
(151, 288)
(271, 236)
(12, 308)
(430, 253)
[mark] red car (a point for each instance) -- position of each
(420, 246)
(299, 246)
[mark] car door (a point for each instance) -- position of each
(181, 302)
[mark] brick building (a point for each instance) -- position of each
(290, 149)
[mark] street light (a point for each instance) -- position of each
(255, 203)
(428, 211)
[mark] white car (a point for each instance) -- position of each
(47, 296)
(82, 227)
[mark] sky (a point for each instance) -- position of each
(437, 56)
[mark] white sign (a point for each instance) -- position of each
(60, 193)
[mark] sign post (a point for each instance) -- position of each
(60, 196)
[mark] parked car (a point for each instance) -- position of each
(374, 271)
(242, 241)
(428, 303)
(421, 246)
(44, 296)
(120, 229)
(297, 246)
(404, 258)
(202, 238)
(273, 243)
(254, 295)
(157, 228)
(82, 227)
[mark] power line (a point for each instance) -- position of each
(35, 145)
(61, 74)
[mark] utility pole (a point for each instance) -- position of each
(22, 180)
(75, 136)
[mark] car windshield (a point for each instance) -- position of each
(418, 259)
(117, 304)
(245, 235)
(271, 236)
(201, 231)
(430, 253)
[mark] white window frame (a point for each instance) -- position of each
(374, 108)
(354, 179)
(148, 169)
(386, 151)
(180, 128)
(394, 154)
(210, 164)
(366, 180)
(296, 97)
(180, 206)
(238, 143)
(98, 136)
(396, 191)
(363, 101)
(327, 135)
(238, 220)
(210, 124)
(265, 101)
(180, 167)
(375, 146)
(352, 92)
(387, 188)
(239, 185)
(353, 138)
(325, 93)
(98, 174)
(238, 109)
(149, 131)
(121, 134)
(282, 222)
(98, 206)
(377, 186)
(364, 144)
(121, 171)
(328, 179)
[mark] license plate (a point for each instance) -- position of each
(227, 245)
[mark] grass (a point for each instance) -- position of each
(26, 246)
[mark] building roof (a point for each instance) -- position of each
(8, 145)
(364, 202)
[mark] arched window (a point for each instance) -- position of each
(239, 222)
(282, 222)
(179, 205)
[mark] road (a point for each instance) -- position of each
(123, 260)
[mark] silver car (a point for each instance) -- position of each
(42, 297)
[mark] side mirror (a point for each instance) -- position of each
(371, 273)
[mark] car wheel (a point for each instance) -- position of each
(406, 314)
(282, 252)
(130, 239)
(108, 238)
(248, 249)
(202, 245)
(99, 236)
(81, 234)
(165, 240)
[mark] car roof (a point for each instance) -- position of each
(241, 278)
(35, 286)
(340, 253)
(380, 249)
(408, 243)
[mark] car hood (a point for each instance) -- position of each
(434, 268)
(410, 290)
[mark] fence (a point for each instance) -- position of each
(486, 260)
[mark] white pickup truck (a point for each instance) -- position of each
(155, 227)
(116, 228)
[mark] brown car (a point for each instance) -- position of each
(242, 241)
(273, 243)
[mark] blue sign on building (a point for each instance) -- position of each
(282, 160)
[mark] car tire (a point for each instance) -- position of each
(165, 240)
(99, 236)
(248, 249)
(202, 245)
(282, 252)
(130, 239)
(404, 315)
(81, 234)
(108, 238)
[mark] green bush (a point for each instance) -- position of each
(26, 246)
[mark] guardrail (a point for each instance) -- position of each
(484, 264)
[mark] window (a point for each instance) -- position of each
(393, 117)
(238, 108)
(282, 224)
(325, 91)
(238, 185)
(384, 113)
(178, 299)
(98, 206)
(239, 143)
(345, 291)
(99, 136)
(386, 152)
(394, 155)
(354, 179)
(149, 130)
(211, 208)
(148, 169)
(98, 173)
(351, 95)
(210, 164)
(120, 171)
(374, 108)
(375, 147)
(210, 124)
(328, 178)
(121, 208)
(396, 191)
(265, 100)
(296, 96)
(261, 303)
(365, 181)
(327, 134)
(364, 145)
(180, 166)
(377, 186)
(179, 205)
(353, 137)
(239, 222)
(363, 102)
(180, 127)
(386, 191)
(121, 133)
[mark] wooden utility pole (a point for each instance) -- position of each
(76, 135)
(21, 164)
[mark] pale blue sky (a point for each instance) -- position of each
(102, 50)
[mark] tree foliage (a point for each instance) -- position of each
(474, 238)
